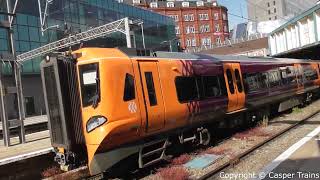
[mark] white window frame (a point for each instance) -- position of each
(208, 41)
(187, 30)
(174, 17)
(200, 3)
(136, 1)
(193, 42)
(217, 27)
(188, 43)
(186, 17)
(218, 40)
(207, 28)
(191, 17)
(177, 30)
(216, 16)
(224, 16)
(192, 29)
(154, 5)
(185, 4)
(170, 4)
(203, 41)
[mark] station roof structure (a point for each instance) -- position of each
(299, 37)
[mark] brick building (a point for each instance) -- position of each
(198, 23)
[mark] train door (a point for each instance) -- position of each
(152, 93)
(234, 84)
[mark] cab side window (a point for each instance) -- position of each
(129, 89)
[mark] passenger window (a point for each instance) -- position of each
(230, 81)
(150, 88)
(255, 81)
(211, 86)
(274, 79)
(129, 89)
(186, 89)
(310, 73)
(238, 79)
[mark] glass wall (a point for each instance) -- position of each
(74, 16)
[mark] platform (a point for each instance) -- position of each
(32, 120)
(36, 144)
(300, 161)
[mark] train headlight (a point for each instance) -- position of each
(95, 122)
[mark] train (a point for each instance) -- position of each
(107, 104)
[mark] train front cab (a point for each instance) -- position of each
(110, 106)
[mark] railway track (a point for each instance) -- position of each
(244, 154)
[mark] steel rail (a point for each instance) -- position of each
(237, 159)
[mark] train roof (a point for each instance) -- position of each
(133, 53)
(147, 54)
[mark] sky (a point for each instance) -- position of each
(237, 8)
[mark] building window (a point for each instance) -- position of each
(269, 12)
(269, 18)
(206, 41)
(190, 29)
(188, 42)
(268, 4)
(200, 3)
(205, 28)
(275, 18)
(203, 16)
(136, 1)
(191, 17)
(217, 27)
(188, 17)
(194, 42)
(218, 40)
(274, 10)
(225, 28)
(170, 4)
(185, 4)
(175, 17)
(153, 4)
(224, 16)
(216, 16)
(274, 3)
(177, 29)
(120, 1)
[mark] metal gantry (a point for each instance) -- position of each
(121, 25)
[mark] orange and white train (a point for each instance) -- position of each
(106, 104)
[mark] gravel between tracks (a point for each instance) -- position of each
(256, 161)
(242, 141)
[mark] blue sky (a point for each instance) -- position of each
(236, 7)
